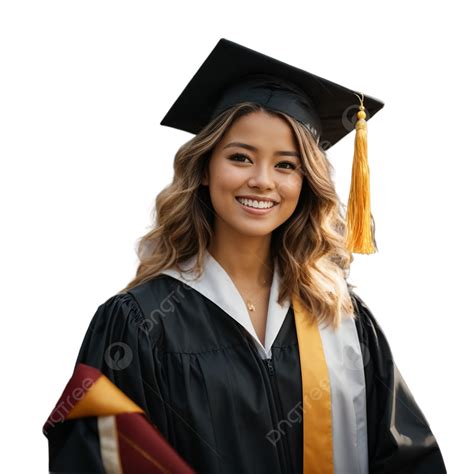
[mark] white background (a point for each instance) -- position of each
(83, 87)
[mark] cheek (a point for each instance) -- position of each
(290, 187)
(226, 178)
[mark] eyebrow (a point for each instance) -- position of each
(252, 148)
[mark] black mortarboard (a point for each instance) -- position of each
(233, 73)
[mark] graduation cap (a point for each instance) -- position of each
(233, 73)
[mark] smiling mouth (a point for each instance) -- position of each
(258, 209)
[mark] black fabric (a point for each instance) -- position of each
(198, 376)
(232, 74)
(222, 401)
(399, 437)
(275, 94)
(74, 447)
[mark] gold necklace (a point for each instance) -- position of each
(248, 302)
(250, 305)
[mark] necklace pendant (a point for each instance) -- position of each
(250, 306)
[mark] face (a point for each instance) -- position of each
(257, 158)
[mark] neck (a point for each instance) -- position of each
(245, 259)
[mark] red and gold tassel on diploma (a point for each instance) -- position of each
(360, 235)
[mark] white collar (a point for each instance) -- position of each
(216, 285)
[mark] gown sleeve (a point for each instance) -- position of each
(118, 343)
(119, 347)
(399, 436)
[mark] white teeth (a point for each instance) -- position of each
(257, 204)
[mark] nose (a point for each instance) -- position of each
(262, 178)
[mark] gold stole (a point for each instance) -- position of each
(103, 399)
(316, 395)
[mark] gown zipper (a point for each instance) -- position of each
(277, 401)
(270, 369)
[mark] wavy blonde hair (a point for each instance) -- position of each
(316, 267)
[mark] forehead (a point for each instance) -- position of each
(261, 126)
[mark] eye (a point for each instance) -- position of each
(293, 167)
(237, 155)
(234, 157)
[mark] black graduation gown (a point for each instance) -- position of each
(199, 378)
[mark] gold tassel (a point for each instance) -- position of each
(360, 236)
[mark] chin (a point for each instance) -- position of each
(253, 230)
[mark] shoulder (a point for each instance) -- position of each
(119, 313)
(134, 302)
(124, 320)
(121, 303)
(363, 315)
(372, 338)
(159, 294)
(140, 307)
(157, 287)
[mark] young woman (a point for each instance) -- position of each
(240, 346)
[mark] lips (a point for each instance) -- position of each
(269, 204)
(255, 198)
(256, 211)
